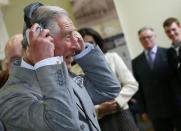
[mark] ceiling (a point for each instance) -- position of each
(85, 10)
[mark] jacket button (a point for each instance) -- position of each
(82, 126)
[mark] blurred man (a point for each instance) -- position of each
(150, 69)
(172, 29)
(13, 51)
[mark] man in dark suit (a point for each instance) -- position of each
(151, 71)
(172, 29)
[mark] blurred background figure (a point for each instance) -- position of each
(155, 95)
(172, 29)
(13, 51)
(114, 115)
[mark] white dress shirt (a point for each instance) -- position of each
(127, 80)
(153, 53)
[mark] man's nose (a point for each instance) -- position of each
(172, 32)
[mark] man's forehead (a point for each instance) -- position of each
(65, 22)
(145, 32)
(173, 25)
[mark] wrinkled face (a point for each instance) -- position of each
(65, 41)
(173, 32)
(147, 39)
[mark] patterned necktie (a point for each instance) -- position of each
(150, 59)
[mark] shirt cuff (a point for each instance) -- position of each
(88, 48)
(49, 61)
(97, 107)
(121, 103)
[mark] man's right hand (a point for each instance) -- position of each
(41, 46)
(108, 108)
(78, 42)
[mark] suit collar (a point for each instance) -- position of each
(79, 91)
(176, 45)
(21, 73)
(26, 65)
(153, 50)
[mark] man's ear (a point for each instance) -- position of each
(5, 64)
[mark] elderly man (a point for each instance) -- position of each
(13, 51)
(41, 93)
(151, 71)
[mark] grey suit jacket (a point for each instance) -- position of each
(51, 99)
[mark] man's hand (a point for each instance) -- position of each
(79, 43)
(107, 108)
(41, 46)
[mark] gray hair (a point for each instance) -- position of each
(145, 28)
(46, 16)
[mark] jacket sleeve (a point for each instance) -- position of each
(55, 110)
(100, 82)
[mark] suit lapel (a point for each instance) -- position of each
(82, 100)
(144, 63)
(145, 68)
(158, 58)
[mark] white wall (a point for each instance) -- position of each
(3, 35)
(134, 14)
(4, 2)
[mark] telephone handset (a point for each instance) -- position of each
(29, 11)
(37, 32)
